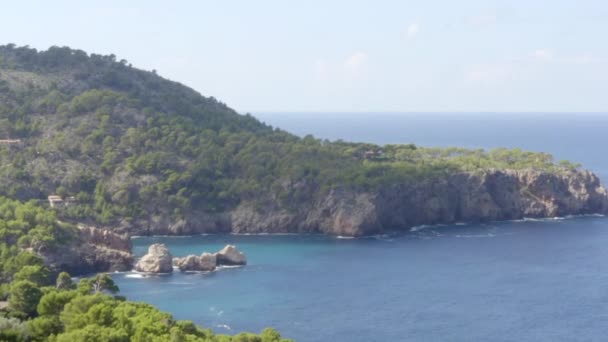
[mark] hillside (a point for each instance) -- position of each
(144, 155)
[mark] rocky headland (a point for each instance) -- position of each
(124, 149)
(486, 195)
(96, 250)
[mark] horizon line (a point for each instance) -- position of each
(414, 112)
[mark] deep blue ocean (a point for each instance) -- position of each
(530, 280)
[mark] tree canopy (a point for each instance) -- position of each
(125, 144)
(42, 307)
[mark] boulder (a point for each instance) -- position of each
(205, 262)
(230, 255)
(158, 260)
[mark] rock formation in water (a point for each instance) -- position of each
(230, 256)
(158, 260)
(204, 262)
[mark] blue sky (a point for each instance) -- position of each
(467, 55)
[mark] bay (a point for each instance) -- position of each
(530, 280)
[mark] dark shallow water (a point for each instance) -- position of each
(505, 281)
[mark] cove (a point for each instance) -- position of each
(500, 281)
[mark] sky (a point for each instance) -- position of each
(348, 56)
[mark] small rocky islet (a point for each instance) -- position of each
(159, 260)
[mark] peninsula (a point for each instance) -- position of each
(119, 151)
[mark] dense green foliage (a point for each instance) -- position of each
(126, 143)
(41, 308)
(87, 313)
(27, 230)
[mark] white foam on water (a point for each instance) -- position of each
(341, 237)
(266, 234)
(149, 274)
(135, 276)
(195, 272)
(224, 326)
(134, 237)
(224, 267)
(476, 236)
(421, 227)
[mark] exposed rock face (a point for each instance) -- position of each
(98, 250)
(104, 237)
(205, 262)
(230, 255)
(461, 197)
(158, 260)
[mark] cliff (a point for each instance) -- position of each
(96, 250)
(461, 197)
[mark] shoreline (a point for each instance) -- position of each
(388, 233)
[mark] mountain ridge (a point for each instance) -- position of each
(139, 154)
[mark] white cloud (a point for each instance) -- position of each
(412, 30)
(321, 69)
(583, 59)
(355, 61)
(543, 54)
(350, 68)
(483, 19)
(489, 73)
(547, 55)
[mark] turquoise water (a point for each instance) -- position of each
(530, 280)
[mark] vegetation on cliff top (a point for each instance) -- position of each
(126, 144)
(41, 308)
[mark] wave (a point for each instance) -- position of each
(548, 219)
(135, 237)
(383, 236)
(149, 274)
(525, 219)
(135, 276)
(225, 267)
(224, 326)
(266, 234)
(195, 272)
(475, 236)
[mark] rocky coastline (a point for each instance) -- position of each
(96, 250)
(489, 195)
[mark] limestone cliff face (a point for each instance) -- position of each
(462, 197)
(491, 195)
(97, 250)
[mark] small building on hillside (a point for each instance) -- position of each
(373, 154)
(55, 200)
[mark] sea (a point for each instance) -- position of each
(526, 280)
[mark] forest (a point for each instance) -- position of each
(125, 143)
(38, 305)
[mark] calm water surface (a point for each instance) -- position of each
(506, 281)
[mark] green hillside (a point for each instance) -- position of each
(124, 143)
